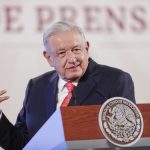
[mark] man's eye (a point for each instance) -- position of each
(77, 50)
(61, 53)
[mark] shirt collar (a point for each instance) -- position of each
(61, 84)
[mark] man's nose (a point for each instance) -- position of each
(71, 57)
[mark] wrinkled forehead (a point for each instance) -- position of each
(66, 39)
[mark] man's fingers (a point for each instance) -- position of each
(2, 92)
(2, 98)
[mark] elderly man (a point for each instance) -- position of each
(76, 80)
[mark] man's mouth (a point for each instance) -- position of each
(74, 67)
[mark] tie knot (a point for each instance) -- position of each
(69, 86)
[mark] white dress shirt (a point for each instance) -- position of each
(62, 91)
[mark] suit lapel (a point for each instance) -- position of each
(86, 83)
(83, 89)
(51, 94)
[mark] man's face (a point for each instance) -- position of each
(68, 53)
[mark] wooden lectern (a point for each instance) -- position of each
(76, 127)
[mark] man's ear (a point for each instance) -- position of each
(48, 57)
(87, 46)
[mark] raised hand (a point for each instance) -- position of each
(2, 97)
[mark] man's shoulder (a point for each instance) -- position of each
(107, 75)
(45, 76)
(108, 70)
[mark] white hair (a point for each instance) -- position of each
(60, 27)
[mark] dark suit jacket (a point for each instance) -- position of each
(99, 83)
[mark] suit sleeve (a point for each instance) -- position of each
(14, 137)
(0, 113)
(123, 86)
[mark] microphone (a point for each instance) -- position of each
(74, 97)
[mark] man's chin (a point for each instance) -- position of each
(73, 78)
